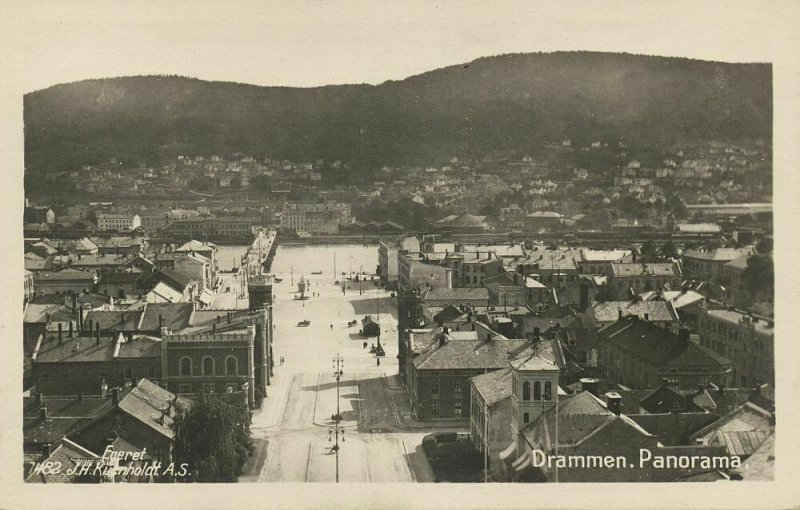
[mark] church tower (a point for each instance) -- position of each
(534, 390)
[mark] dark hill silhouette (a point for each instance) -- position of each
(495, 103)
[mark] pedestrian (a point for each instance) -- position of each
(378, 360)
(331, 326)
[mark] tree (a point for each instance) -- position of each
(213, 438)
(758, 278)
(668, 250)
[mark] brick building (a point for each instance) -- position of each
(748, 340)
(639, 354)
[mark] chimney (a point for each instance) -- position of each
(71, 331)
(590, 384)
(97, 333)
(489, 337)
(619, 313)
(442, 340)
(229, 317)
(90, 329)
(160, 321)
(80, 318)
(614, 402)
(47, 449)
(74, 302)
(60, 335)
(43, 411)
(536, 334)
(133, 382)
(214, 328)
(115, 396)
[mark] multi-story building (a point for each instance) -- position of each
(120, 222)
(710, 264)
(639, 354)
(635, 278)
(422, 270)
(747, 339)
(64, 281)
(387, 257)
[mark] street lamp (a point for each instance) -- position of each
(334, 432)
(333, 435)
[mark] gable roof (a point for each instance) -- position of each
(609, 311)
(174, 316)
(466, 352)
(659, 347)
(115, 320)
(666, 399)
(457, 294)
(493, 386)
(641, 269)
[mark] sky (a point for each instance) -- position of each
(320, 42)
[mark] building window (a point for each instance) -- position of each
(185, 388)
(526, 390)
(548, 391)
(673, 381)
(208, 365)
(457, 387)
(231, 365)
(457, 408)
(435, 389)
(526, 417)
(435, 408)
(537, 390)
(186, 366)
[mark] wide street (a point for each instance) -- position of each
(381, 441)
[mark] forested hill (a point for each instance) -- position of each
(494, 103)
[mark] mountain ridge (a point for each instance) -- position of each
(505, 102)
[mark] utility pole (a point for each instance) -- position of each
(334, 432)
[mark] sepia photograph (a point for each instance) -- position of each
(342, 244)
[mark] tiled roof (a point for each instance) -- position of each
(456, 294)
(718, 255)
(588, 255)
(173, 315)
(739, 263)
(65, 415)
(678, 298)
(673, 428)
(665, 399)
(735, 317)
(639, 269)
(466, 354)
(77, 350)
(449, 313)
(608, 311)
(195, 245)
(106, 259)
(760, 466)
(117, 241)
(146, 401)
(67, 455)
(578, 416)
(117, 320)
(65, 275)
(493, 386)
(659, 347)
(142, 346)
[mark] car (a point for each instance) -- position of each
(304, 323)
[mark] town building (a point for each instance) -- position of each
(63, 282)
(387, 258)
(118, 222)
(660, 313)
(628, 279)
(638, 354)
(710, 265)
(747, 339)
